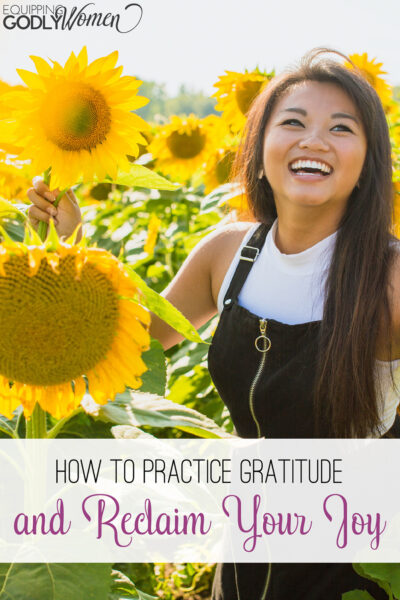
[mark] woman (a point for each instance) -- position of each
(309, 333)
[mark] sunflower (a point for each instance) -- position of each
(218, 167)
(5, 88)
(236, 92)
(6, 109)
(371, 71)
(65, 313)
(76, 119)
(14, 180)
(183, 145)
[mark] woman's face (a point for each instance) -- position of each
(314, 147)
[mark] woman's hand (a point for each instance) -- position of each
(66, 215)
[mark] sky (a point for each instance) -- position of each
(195, 41)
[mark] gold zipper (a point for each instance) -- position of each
(263, 344)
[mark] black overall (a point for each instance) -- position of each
(271, 397)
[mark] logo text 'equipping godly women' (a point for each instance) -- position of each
(60, 18)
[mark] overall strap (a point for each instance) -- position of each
(248, 256)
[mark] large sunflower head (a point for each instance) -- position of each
(76, 119)
(235, 94)
(183, 145)
(65, 313)
(371, 71)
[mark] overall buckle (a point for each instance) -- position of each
(249, 258)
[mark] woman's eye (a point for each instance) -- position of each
(341, 128)
(292, 122)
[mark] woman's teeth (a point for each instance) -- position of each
(310, 166)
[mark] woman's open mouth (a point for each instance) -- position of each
(310, 169)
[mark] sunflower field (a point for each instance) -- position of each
(148, 192)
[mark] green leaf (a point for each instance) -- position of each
(138, 409)
(155, 379)
(122, 587)
(14, 228)
(6, 428)
(139, 176)
(194, 383)
(54, 581)
(141, 573)
(82, 425)
(8, 208)
(163, 309)
(220, 196)
(358, 567)
(129, 432)
(357, 595)
(143, 596)
(387, 575)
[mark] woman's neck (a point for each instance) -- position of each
(294, 235)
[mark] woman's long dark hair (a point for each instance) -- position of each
(356, 305)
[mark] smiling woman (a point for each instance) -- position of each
(294, 354)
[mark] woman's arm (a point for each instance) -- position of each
(190, 292)
(195, 288)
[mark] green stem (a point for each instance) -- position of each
(36, 425)
(46, 176)
(42, 228)
(54, 431)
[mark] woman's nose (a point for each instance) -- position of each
(314, 141)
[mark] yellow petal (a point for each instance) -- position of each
(35, 257)
(136, 310)
(83, 58)
(32, 80)
(42, 67)
(80, 389)
(53, 260)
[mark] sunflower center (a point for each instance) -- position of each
(186, 145)
(54, 328)
(76, 117)
(224, 166)
(245, 94)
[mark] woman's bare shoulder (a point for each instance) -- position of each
(226, 236)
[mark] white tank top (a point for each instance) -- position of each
(290, 288)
